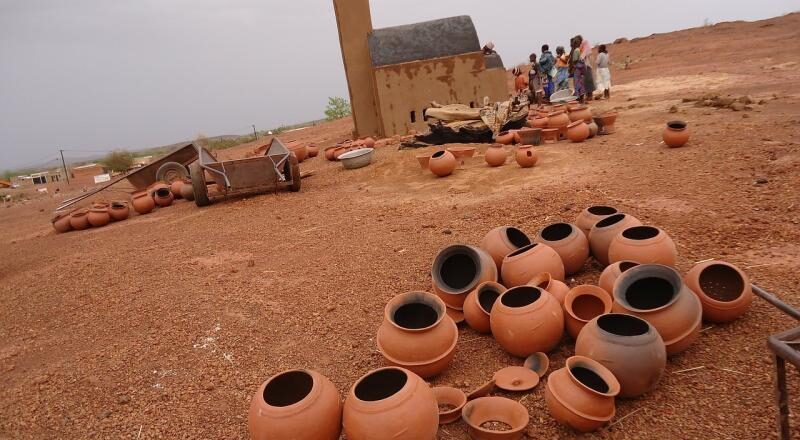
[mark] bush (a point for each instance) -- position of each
(118, 160)
(337, 108)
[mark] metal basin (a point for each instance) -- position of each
(356, 158)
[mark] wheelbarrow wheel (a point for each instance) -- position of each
(171, 171)
(294, 173)
(199, 185)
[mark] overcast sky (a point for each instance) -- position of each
(104, 74)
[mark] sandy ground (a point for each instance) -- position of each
(164, 325)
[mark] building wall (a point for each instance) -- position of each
(85, 175)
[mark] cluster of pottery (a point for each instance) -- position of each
(333, 153)
(676, 134)
(571, 121)
(302, 151)
(443, 162)
(162, 195)
(99, 215)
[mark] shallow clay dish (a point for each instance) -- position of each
(516, 379)
(481, 414)
(462, 152)
(453, 397)
(456, 315)
(481, 391)
(538, 363)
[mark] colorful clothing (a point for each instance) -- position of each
(562, 73)
(547, 63)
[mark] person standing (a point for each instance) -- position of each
(562, 69)
(603, 73)
(535, 81)
(548, 63)
(588, 77)
(578, 69)
(520, 80)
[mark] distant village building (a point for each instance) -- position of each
(38, 179)
(142, 161)
(84, 174)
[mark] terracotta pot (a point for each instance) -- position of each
(558, 119)
(530, 136)
(79, 219)
(580, 113)
(155, 187)
(657, 294)
(517, 139)
(329, 153)
(479, 303)
(604, 231)
(581, 395)
(101, 205)
(187, 191)
(452, 397)
(521, 265)
(550, 135)
(495, 409)
(538, 363)
(98, 217)
(143, 203)
(417, 334)
(313, 150)
(526, 156)
(582, 304)
(545, 281)
(423, 160)
(442, 163)
(457, 270)
(338, 151)
(612, 272)
(569, 243)
(608, 120)
(592, 129)
(572, 106)
(300, 150)
(462, 153)
(629, 347)
(369, 142)
(676, 134)
(591, 215)
(61, 222)
(120, 210)
(643, 244)
(175, 188)
(284, 404)
(504, 138)
(391, 403)
(723, 289)
(496, 155)
(558, 108)
(503, 240)
(527, 319)
(578, 131)
(540, 122)
(163, 197)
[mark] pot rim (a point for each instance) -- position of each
(414, 297)
(424, 363)
(622, 219)
(570, 407)
(587, 290)
(403, 394)
(661, 236)
(535, 282)
(535, 305)
(682, 125)
(508, 406)
(480, 289)
(598, 369)
(717, 304)
(649, 271)
(575, 124)
(443, 395)
(634, 340)
(573, 234)
(473, 252)
(589, 210)
(289, 410)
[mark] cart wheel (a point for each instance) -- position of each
(199, 185)
(171, 171)
(294, 172)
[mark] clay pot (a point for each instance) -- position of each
(592, 129)
(540, 122)
(423, 160)
(582, 304)
(496, 155)
(79, 219)
(502, 241)
(612, 272)
(545, 281)
(369, 142)
(457, 270)
(284, 405)
(98, 217)
(657, 294)
(643, 244)
(530, 136)
(538, 363)
(329, 153)
(521, 265)
(143, 203)
(61, 222)
(558, 108)
(591, 215)
(479, 303)
(608, 120)
(580, 113)
(155, 187)
(604, 231)
(163, 197)
(526, 156)
(578, 131)
(452, 397)
(504, 138)
(187, 191)
(313, 150)
(516, 136)
(676, 134)
(119, 211)
(723, 289)
(629, 347)
(527, 319)
(390, 403)
(569, 243)
(581, 395)
(299, 150)
(338, 151)
(175, 188)
(442, 163)
(101, 205)
(558, 119)
(417, 334)
(550, 135)
(495, 409)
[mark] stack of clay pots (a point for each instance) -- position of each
(99, 214)
(333, 153)
(573, 121)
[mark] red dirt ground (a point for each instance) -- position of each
(164, 325)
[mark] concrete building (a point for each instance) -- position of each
(393, 74)
(84, 174)
(44, 178)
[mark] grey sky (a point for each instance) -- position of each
(104, 74)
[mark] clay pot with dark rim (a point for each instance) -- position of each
(452, 397)
(578, 131)
(61, 222)
(526, 156)
(582, 304)
(612, 272)
(142, 202)
(479, 303)
(676, 134)
(581, 395)
(522, 264)
(724, 290)
(187, 192)
(643, 244)
(558, 119)
(545, 281)
(442, 163)
(120, 210)
(98, 217)
(550, 135)
(459, 269)
(495, 409)
(313, 150)
(603, 232)
(175, 188)
(657, 294)
(580, 113)
(495, 155)
(504, 138)
(629, 347)
(163, 197)
(591, 215)
(391, 403)
(284, 405)
(530, 136)
(79, 219)
(527, 319)
(155, 187)
(540, 122)
(503, 240)
(569, 242)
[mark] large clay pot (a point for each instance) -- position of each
(442, 163)
(143, 203)
(61, 222)
(390, 403)
(545, 281)
(643, 244)
(504, 138)
(496, 155)
(629, 347)
(578, 131)
(530, 136)
(495, 409)
(591, 215)
(502, 241)
(479, 303)
(79, 219)
(569, 242)
(521, 265)
(457, 270)
(369, 142)
(657, 294)
(175, 188)
(526, 156)
(417, 334)
(313, 150)
(550, 135)
(581, 395)
(580, 113)
(558, 119)
(295, 405)
(612, 272)
(187, 191)
(676, 134)
(527, 319)
(300, 150)
(604, 231)
(723, 289)
(540, 122)
(119, 211)
(163, 197)
(98, 217)
(582, 304)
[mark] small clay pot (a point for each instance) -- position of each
(442, 163)
(155, 187)
(163, 197)
(423, 160)
(592, 129)
(120, 210)
(607, 121)
(101, 205)
(479, 303)
(187, 191)
(284, 404)
(142, 202)
(495, 409)
(550, 135)
(558, 119)
(338, 151)
(369, 142)
(604, 231)
(390, 403)
(521, 265)
(496, 155)
(643, 244)
(457, 270)
(629, 347)
(504, 138)
(502, 241)
(527, 319)
(569, 243)
(538, 363)
(175, 188)
(582, 304)
(591, 215)
(580, 113)
(530, 136)
(329, 153)
(676, 134)
(449, 396)
(545, 281)
(79, 219)
(98, 217)
(724, 290)
(61, 222)
(539, 122)
(526, 156)
(313, 150)
(558, 108)
(578, 131)
(612, 272)
(581, 395)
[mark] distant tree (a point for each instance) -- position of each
(118, 160)
(337, 108)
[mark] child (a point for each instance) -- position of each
(535, 81)
(562, 69)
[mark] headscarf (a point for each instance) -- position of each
(586, 49)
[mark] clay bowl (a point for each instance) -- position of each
(449, 396)
(538, 363)
(423, 160)
(479, 412)
(462, 152)
(516, 379)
